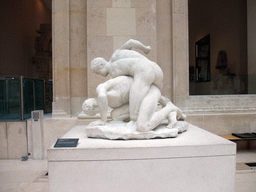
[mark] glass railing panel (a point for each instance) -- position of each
(10, 98)
(28, 97)
(39, 94)
(21, 95)
(2, 98)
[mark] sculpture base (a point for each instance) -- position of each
(195, 160)
(123, 130)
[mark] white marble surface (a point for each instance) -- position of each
(133, 92)
(194, 142)
(123, 130)
(194, 161)
(245, 181)
(37, 135)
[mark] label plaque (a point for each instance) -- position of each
(66, 142)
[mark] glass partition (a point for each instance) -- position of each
(28, 97)
(19, 96)
(10, 98)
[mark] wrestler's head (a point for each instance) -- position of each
(98, 66)
(90, 107)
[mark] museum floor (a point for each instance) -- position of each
(29, 176)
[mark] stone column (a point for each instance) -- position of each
(78, 54)
(180, 52)
(164, 43)
(61, 58)
(69, 57)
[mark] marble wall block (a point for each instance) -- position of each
(121, 3)
(78, 6)
(60, 6)
(146, 21)
(96, 21)
(99, 3)
(101, 46)
(218, 124)
(55, 129)
(3, 140)
(17, 139)
(143, 3)
(121, 21)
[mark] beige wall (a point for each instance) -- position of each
(225, 21)
(19, 22)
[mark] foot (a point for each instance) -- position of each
(147, 50)
(172, 118)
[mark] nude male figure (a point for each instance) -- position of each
(126, 62)
(115, 94)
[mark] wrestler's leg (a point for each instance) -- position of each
(164, 100)
(149, 118)
(179, 115)
(136, 44)
(147, 108)
(121, 113)
(139, 89)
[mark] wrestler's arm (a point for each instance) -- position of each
(103, 102)
(164, 100)
(136, 44)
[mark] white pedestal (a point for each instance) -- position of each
(37, 134)
(194, 161)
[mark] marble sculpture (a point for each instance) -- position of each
(139, 111)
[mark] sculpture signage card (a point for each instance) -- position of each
(66, 143)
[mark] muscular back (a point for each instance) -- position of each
(117, 90)
(125, 53)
